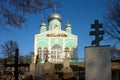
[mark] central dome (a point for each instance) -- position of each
(54, 16)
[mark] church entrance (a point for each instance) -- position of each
(56, 53)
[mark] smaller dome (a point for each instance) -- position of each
(43, 24)
(68, 25)
(54, 16)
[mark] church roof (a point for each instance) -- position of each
(56, 32)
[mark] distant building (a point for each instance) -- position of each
(55, 42)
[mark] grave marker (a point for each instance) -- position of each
(16, 65)
(96, 33)
(97, 58)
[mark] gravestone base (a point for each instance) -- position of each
(39, 71)
(48, 71)
(97, 63)
(67, 71)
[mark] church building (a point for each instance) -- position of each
(58, 44)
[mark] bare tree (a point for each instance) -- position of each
(112, 20)
(9, 48)
(115, 53)
(21, 59)
(26, 58)
(13, 12)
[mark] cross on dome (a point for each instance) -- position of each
(54, 7)
(68, 20)
(43, 19)
(68, 23)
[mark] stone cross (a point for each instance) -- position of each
(96, 33)
(66, 52)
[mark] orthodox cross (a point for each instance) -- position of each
(97, 33)
(54, 7)
(16, 65)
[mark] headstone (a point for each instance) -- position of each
(39, 72)
(97, 63)
(32, 69)
(66, 63)
(43, 71)
(32, 66)
(67, 71)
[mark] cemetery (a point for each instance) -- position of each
(66, 70)
(55, 55)
(97, 65)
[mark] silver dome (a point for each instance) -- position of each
(54, 16)
(68, 25)
(42, 24)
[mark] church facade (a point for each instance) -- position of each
(55, 42)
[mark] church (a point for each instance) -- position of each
(58, 44)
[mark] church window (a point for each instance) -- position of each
(56, 53)
(39, 51)
(42, 53)
(45, 51)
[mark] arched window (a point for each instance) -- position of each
(39, 52)
(42, 52)
(56, 53)
(45, 52)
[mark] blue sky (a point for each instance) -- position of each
(81, 13)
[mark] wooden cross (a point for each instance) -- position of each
(16, 65)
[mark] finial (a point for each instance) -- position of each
(68, 24)
(54, 8)
(43, 19)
